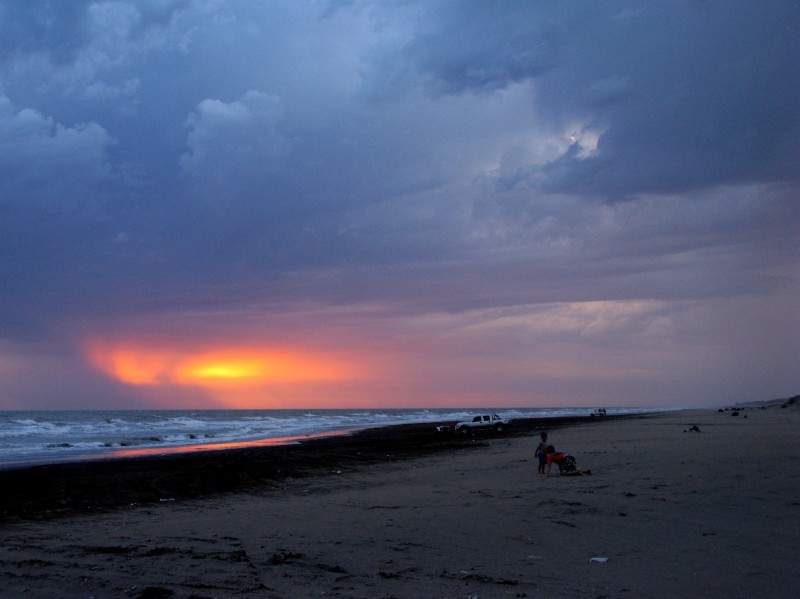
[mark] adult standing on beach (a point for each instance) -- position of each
(541, 452)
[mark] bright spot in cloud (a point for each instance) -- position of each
(225, 371)
(586, 138)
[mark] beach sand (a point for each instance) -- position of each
(671, 513)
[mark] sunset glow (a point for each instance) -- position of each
(146, 365)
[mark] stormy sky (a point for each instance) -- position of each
(408, 203)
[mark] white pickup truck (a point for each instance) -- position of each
(482, 422)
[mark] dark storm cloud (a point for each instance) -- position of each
(60, 30)
(704, 100)
(48, 197)
(680, 96)
(256, 174)
(476, 47)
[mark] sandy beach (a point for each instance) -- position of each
(666, 513)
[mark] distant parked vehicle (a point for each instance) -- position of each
(598, 412)
(482, 422)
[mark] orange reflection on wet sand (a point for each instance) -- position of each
(142, 452)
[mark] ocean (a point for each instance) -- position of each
(44, 437)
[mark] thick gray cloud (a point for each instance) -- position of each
(656, 97)
(706, 105)
(407, 160)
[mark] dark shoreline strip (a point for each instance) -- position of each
(48, 491)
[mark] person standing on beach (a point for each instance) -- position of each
(541, 452)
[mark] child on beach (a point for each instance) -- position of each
(541, 452)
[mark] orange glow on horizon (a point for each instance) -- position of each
(210, 368)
